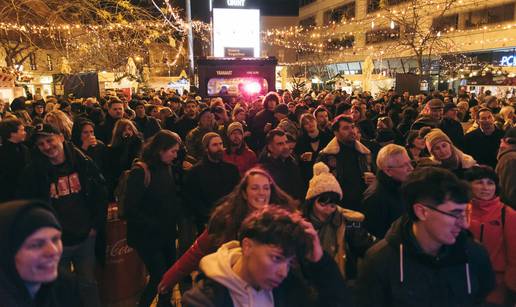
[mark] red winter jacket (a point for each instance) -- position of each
(499, 238)
(244, 161)
(189, 262)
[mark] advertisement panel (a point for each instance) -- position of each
(236, 28)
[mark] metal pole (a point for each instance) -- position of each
(190, 39)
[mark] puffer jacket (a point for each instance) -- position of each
(396, 272)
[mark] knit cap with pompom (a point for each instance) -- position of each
(323, 181)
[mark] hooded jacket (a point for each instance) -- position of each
(219, 286)
(13, 292)
(495, 230)
(397, 272)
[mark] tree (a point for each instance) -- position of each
(89, 34)
(419, 25)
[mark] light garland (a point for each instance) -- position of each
(295, 37)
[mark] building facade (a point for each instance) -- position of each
(347, 32)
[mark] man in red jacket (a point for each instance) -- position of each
(237, 152)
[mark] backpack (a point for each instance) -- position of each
(121, 188)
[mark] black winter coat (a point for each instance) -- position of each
(320, 285)
(286, 174)
(256, 125)
(382, 205)
(483, 148)
(104, 131)
(205, 184)
(304, 145)
(152, 211)
(397, 273)
(147, 125)
(13, 159)
(453, 129)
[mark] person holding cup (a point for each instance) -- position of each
(83, 136)
(348, 160)
(311, 141)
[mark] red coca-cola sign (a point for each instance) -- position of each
(118, 249)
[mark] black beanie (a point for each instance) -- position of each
(30, 222)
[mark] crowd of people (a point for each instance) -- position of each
(291, 199)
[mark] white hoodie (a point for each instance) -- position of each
(218, 266)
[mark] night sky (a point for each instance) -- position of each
(200, 8)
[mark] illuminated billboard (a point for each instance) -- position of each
(236, 31)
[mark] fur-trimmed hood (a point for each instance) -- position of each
(333, 148)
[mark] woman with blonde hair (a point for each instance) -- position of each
(59, 120)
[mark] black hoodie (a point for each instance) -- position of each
(13, 292)
(396, 272)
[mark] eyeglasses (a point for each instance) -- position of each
(463, 216)
(410, 164)
(327, 201)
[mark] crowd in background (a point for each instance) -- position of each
(363, 179)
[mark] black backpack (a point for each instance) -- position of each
(121, 188)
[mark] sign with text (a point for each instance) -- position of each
(238, 52)
(236, 29)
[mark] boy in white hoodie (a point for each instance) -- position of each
(255, 271)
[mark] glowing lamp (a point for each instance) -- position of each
(252, 88)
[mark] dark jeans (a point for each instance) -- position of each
(157, 261)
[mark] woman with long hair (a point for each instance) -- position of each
(152, 209)
(255, 190)
(59, 120)
(309, 144)
(125, 146)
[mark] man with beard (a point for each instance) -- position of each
(209, 180)
(278, 161)
(194, 144)
(188, 121)
(483, 142)
(349, 161)
(237, 152)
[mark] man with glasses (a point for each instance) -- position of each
(382, 203)
(426, 259)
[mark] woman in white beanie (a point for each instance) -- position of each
(340, 230)
(445, 154)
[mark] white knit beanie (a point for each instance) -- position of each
(323, 181)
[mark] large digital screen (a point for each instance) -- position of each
(236, 28)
